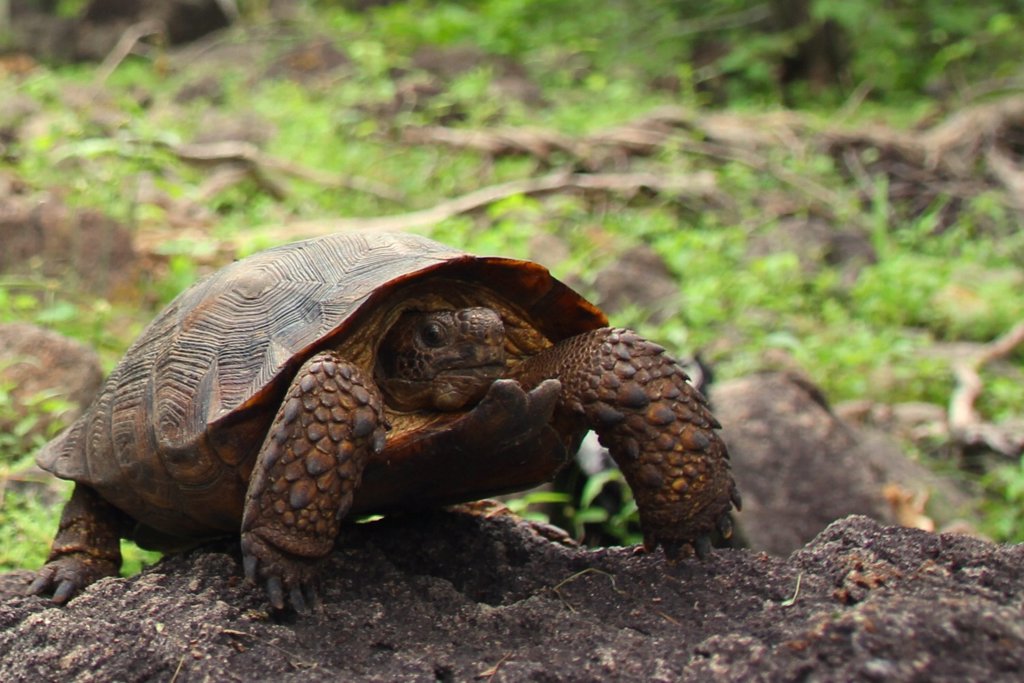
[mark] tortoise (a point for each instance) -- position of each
(369, 373)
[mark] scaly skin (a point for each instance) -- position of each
(310, 464)
(655, 425)
(87, 547)
(441, 360)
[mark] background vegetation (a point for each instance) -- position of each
(946, 268)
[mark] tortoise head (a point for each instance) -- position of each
(441, 360)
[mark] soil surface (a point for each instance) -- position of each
(463, 595)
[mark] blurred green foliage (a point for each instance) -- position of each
(1004, 506)
(897, 49)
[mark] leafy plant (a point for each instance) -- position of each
(614, 518)
(27, 424)
(603, 512)
(27, 524)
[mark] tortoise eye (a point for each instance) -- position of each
(433, 335)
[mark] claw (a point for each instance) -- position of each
(249, 563)
(547, 391)
(508, 394)
(725, 526)
(39, 584)
(312, 596)
(287, 581)
(703, 546)
(275, 592)
(297, 600)
(63, 592)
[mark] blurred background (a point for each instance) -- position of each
(819, 201)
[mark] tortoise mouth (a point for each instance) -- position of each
(480, 375)
(490, 367)
(455, 388)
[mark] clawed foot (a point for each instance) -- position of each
(507, 414)
(69, 574)
(673, 547)
(281, 573)
(519, 407)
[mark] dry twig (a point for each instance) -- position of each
(725, 137)
(697, 185)
(258, 164)
(958, 141)
(1008, 173)
(943, 156)
(125, 44)
(965, 423)
(589, 570)
(501, 142)
(492, 671)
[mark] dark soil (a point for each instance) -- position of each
(455, 596)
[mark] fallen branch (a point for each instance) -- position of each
(959, 140)
(952, 148)
(242, 160)
(250, 156)
(698, 185)
(641, 137)
(500, 142)
(1008, 173)
(125, 44)
(220, 180)
(940, 158)
(966, 425)
(722, 136)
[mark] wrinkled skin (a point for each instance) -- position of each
(332, 420)
(442, 360)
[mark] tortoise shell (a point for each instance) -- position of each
(172, 437)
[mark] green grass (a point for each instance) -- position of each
(27, 525)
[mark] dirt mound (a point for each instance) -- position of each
(458, 596)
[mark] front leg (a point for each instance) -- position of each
(656, 426)
(507, 415)
(329, 423)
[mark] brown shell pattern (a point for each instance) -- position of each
(172, 417)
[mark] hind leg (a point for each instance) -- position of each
(87, 546)
(312, 461)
